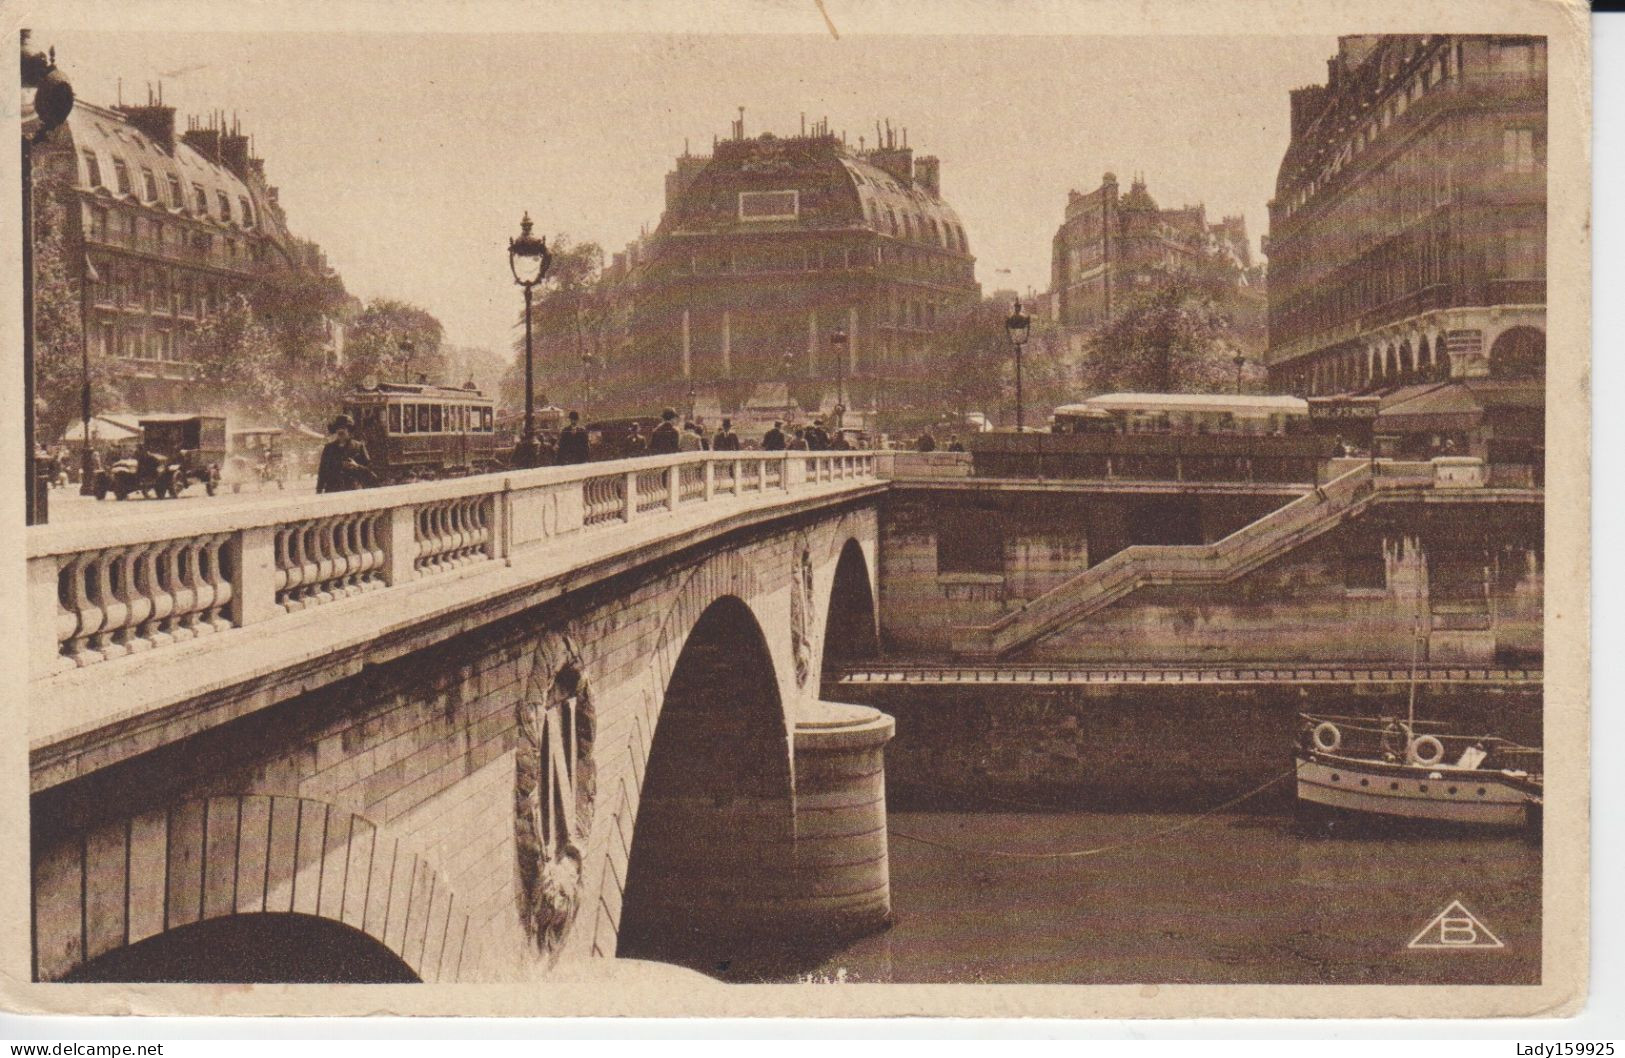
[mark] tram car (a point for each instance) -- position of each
(419, 430)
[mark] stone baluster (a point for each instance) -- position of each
(182, 625)
(216, 615)
(88, 615)
(143, 587)
(114, 609)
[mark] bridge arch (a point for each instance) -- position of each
(312, 866)
(715, 820)
(851, 627)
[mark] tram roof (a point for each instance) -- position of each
(422, 389)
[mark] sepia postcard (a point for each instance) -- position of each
(819, 508)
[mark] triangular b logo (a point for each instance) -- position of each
(1455, 927)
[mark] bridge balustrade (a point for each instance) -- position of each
(103, 591)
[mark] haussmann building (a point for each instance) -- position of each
(770, 250)
(1407, 246)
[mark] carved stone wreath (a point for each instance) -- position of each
(554, 789)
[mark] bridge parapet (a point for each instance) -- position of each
(104, 591)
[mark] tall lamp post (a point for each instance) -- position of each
(1016, 326)
(1238, 360)
(53, 101)
(407, 348)
(529, 260)
(588, 363)
(837, 344)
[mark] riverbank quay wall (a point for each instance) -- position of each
(1017, 746)
(1360, 569)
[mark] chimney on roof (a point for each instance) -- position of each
(154, 119)
(927, 173)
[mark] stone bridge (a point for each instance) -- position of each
(474, 730)
(458, 731)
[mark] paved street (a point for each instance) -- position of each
(70, 508)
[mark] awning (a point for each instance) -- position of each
(1465, 405)
(104, 428)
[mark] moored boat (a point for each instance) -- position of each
(1413, 769)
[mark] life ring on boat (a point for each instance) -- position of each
(1427, 750)
(1327, 737)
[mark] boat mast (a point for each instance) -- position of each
(1416, 639)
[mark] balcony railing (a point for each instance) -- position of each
(104, 591)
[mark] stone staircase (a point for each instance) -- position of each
(1186, 564)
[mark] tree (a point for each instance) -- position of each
(298, 307)
(240, 366)
(59, 367)
(571, 323)
(373, 346)
(1171, 333)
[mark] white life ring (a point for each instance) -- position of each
(1426, 750)
(1327, 737)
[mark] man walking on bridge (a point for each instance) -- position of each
(664, 439)
(345, 464)
(573, 441)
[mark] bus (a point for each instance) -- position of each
(1184, 413)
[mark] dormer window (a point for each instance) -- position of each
(121, 175)
(246, 210)
(200, 200)
(93, 170)
(225, 205)
(176, 198)
(149, 186)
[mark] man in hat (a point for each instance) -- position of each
(725, 440)
(345, 464)
(664, 439)
(773, 440)
(573, 441)
(817, 437)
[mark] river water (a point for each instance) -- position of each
(1230, 898)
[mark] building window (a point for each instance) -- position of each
(93, 169)
(225, 205)
(176, 198)
(769, 205)
(247, 212)
(149, 186)
(1513, 57)
(98, 224)
(200, 200)
(121, 174)
(1523, 254)
(1518, 150)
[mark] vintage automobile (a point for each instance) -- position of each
(180, 450)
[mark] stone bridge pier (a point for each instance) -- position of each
(615, 749)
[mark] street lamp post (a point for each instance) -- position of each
(693, 401)
(529, 260)
(1238, 360)
(407, 348)
(837, 344)
(588, 363)
(53, 102)
(1016, 326)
